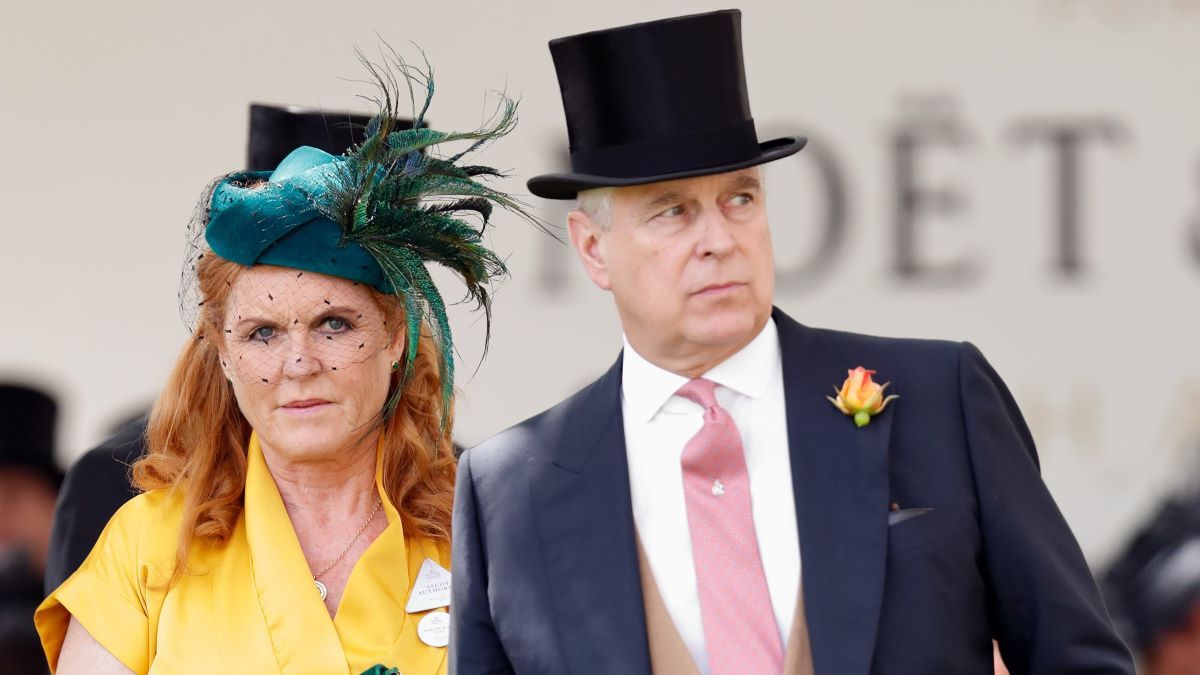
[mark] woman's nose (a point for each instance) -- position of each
(301, 359)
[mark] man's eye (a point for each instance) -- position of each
(263, 334)
(335, 324)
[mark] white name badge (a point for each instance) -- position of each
(432, 589)
(434, 629)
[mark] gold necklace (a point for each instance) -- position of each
(361, 528)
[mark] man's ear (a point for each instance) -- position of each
(586, 239)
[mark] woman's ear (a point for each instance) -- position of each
(224, 359)
(399, 344)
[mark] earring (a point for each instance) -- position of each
(395, 365)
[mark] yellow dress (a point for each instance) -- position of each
(248, 607)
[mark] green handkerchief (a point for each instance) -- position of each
(378, 669)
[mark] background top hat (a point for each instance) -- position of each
(28, 419)
(656, 101)
(275, 131)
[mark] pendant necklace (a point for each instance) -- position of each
(361, 528)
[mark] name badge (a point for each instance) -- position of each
(432, 589)
(434, 629)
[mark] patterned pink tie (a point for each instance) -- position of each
(740, 632)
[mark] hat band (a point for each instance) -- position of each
(659, 156)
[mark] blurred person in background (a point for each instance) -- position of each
(706, 506)
(1153, 589)
(99, 482)
(299, 475)
(95, 486)
(29, 481)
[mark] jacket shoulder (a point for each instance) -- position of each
(892, 351)
(915, 366)
(535, 438)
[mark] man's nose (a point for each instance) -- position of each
(716, 240)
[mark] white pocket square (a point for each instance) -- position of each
(897, 517)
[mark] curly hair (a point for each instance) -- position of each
(198, 438)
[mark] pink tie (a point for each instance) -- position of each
(740, 633)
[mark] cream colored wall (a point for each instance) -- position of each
(115, 114)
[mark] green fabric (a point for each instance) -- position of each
(274, 218)
(381, 670)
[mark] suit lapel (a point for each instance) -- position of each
(584, 519)
(840, 479)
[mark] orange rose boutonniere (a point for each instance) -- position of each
(860, 397)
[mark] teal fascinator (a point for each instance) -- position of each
(375, 215)
(276, 218)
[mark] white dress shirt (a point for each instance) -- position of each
(658, 424)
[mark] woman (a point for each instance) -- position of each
(296, 513)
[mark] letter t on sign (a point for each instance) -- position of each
(1066, 138)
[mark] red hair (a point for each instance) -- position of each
(198, 437)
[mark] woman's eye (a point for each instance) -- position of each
(741, 200)
(263, 334)
(335, 324)
(673, 212)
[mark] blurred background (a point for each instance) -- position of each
(1024, 175)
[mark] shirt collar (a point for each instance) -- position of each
(646, 387)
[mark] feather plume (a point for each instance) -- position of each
(395, 196)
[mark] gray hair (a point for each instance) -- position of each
(597, 204)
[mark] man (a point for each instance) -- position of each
(704, 506)
(1153, 588)
(96, 485)
(29, 480)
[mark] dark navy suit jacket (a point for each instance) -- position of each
(97, 484)
(545, 560)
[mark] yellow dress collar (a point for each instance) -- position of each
(371, 625)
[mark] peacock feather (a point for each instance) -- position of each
(407, 205)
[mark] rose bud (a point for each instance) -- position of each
(861, 397)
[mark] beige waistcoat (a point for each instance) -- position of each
(670, 656)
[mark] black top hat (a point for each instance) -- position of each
(656, 101)
(27, 426)
(275, 131)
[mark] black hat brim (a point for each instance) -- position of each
(568, 185)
